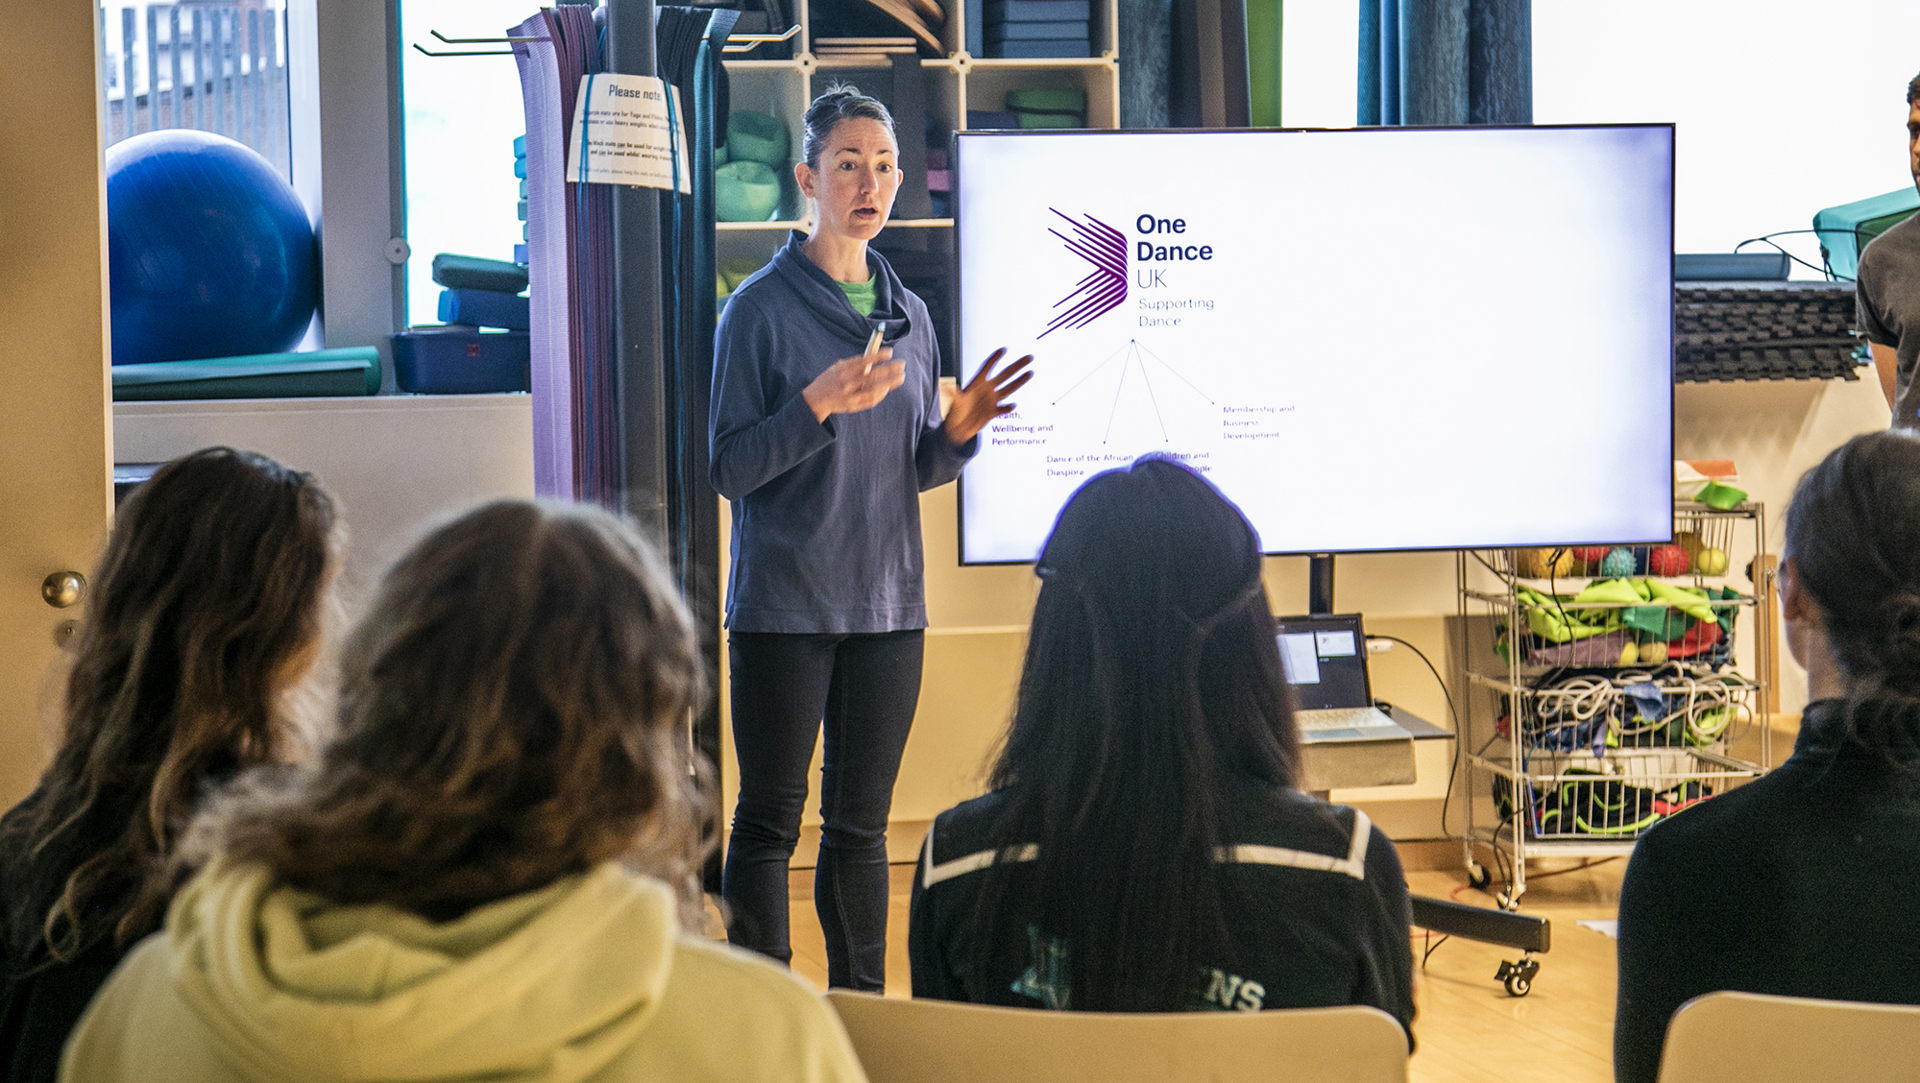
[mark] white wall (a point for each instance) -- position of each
(1783, 107)
(396, 464)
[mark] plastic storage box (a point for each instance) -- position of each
(461, 362)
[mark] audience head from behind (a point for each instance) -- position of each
(1152, 681)
(511, 712)
(1829, 832)
(206, 608)
(1850, 574)
(1152, 640)
(491, 871)
(201, 619)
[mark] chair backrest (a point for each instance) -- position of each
(933, 1041)
(1749, 1038)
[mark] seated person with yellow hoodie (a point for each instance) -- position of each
(446, 894)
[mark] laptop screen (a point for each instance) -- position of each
(1325, 659)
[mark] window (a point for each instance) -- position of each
(462, 115)
(217, 67)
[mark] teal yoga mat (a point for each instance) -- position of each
(319, 374)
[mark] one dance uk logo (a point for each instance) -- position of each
(1105, 287)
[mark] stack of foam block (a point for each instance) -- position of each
(459, 358)
(1036, 107)
(520, 171)
(482, 293)
(1026, 29)
(939, 182)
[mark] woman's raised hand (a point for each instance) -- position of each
(853, 384)
(984, 397)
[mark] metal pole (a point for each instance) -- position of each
(199, 68)
(221, 38)
(127, 39)
(177, 103)
(639, 355)
(153, 69)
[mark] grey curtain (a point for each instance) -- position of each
(1146, 58)
(1446, 62)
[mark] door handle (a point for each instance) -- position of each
(62, 589)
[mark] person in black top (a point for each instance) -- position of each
(205, 610)
(1143, 846)
(1803, 882)
(1886, 294)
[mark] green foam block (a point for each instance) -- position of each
(319, 374)
(1047, 99)
(474, 273)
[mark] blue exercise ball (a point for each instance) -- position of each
(209, 251)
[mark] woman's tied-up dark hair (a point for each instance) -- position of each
(1853, 533)
(840, 101)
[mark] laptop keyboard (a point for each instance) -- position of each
(1344, 718)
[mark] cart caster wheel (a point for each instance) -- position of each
(1518, 976)
(1479, 876)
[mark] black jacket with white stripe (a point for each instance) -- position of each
(1322, 920)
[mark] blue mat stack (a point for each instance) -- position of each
(520, 171)
(1030, 29)
(482, 293)
(460, 359)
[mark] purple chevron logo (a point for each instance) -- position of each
(1105, 287)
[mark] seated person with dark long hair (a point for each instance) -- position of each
(450, 892)
(1803, 882)
(205, 610)
(1144, 845)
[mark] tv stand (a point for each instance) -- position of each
(1320, 584)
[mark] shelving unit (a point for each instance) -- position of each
(1572, 746)
(956, 83)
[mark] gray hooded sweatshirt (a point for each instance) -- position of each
(826, 515)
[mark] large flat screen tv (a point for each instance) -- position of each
(1369, 339)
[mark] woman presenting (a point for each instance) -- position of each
(826, 426)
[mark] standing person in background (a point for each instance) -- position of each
(1887, 294)
(826, 427)
(1802, 883)
(1144, 845)
(491, 873)
(205, 610)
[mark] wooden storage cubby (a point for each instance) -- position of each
(956, 83)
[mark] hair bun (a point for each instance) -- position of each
(1900, 623)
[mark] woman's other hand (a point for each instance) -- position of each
(853, 384)
(985, 397)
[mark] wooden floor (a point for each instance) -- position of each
(1468, 1027)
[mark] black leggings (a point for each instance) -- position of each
(864, 688)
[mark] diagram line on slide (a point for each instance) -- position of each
(1152, 398)
(1176, 372)
(1116, 398)
(1134, 351)
(1090, 372)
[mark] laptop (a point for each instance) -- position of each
(1325, 658)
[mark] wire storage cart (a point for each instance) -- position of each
(1604, 692)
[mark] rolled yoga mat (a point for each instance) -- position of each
(317, 374)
